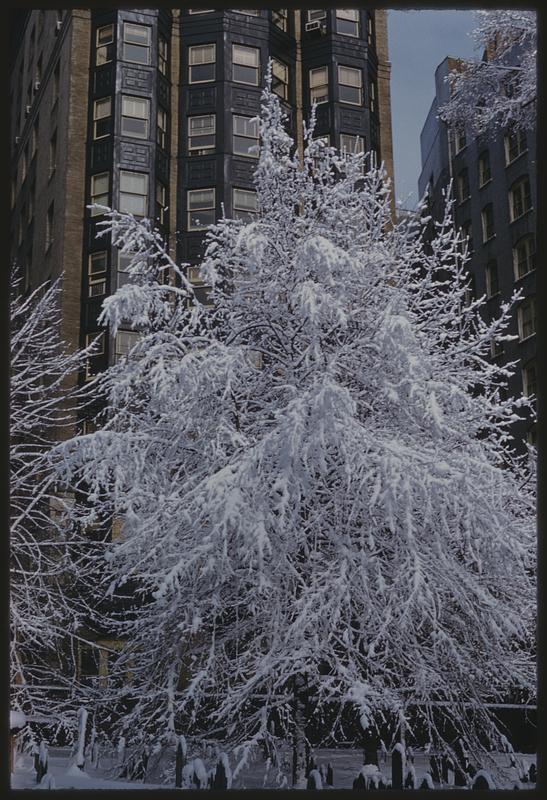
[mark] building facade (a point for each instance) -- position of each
(151, 111)
(494, 187)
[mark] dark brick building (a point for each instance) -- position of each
(494, 184)
(150, 111)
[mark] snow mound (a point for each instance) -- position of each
(17, 720)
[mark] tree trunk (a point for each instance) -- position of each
(300, 750)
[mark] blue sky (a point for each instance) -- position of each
(418, 42)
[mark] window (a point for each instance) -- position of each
(515, 144)
(370, 30)
(245, 204)
(201, 60)
(529, 379)
(463, 185)
(102, 109)
(484, 168)
(350, 82)
(320, 14)
(319, 85)
(162, 127)
(496, 348)
(460, 140)
(201, 208)
(201, 134)
(135, 116)
(124, 276)
(56, 83)
(487, 222)
(245, 135)
(162, 55)
(38, 74)
(351, 144)
(280, 78)
(254, 13)
(133, 192)
(280, 18)
(524, 254)
(100, 185)
(372, 96)
(50, 226)
(136, 43)
(97, 265)
(34, 140)
(245, 63)
(520, 199)
(200, 10)
(125, 341)
(52, 154)
(161, 203)
(96, 339)
(527, 317)
(467, 235)
(194, 276)
(492, 282)
(347, 21)
(105, 44)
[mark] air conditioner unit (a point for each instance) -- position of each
(17, 140)
(28, 108)
(36, 86)
(315, 25)
(58, 24)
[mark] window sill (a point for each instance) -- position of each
(482, 185)
(526, 338)
(525, 275)
(493, 296)
(521, 216)
(516, 158)
(490, 238)
(465, 199)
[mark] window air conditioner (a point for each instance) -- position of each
(17, 140)
(315, 25)
(58, 24)
(28, 110)
(36, 86)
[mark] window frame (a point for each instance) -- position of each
(527, 239)
(96, 278)
(248, 216)
(485, 222)
(199, 148)
(190, 211)
(146, 47)
(191, 50)
(324, 85)
(359, 86)
(97, 118)
(128, 98)
(128, 334)
(162, 133)
(255, 68)
(355, 20)
(93, 195)
(163, 54)
(278, 15)
(122, 192)
(526, 383)
(515, 188)
(521, 140)
(531, 301)
(162, 203)
(464, 187)
(106, 46)
(284, 83)
(491, 276)
(254, 139)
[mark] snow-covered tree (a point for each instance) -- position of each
(49, 555)
(322, 515)
(501, 89)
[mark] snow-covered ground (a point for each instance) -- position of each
(346, 764)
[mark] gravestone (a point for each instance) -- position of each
(397, 767)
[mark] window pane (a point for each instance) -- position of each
(133, 182)
(202, 125)
(138, 34)
(98, 263)
(135, 127)
(318, 76)
(202, 54)
(245, 55)
(201, 198)
(135, 107)
(349, 76)
(99, 183)
(102, 108)
(136, 53)
(133, 204)
(245, 199)
(246, 126)
(105, 35)
(243, 74)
